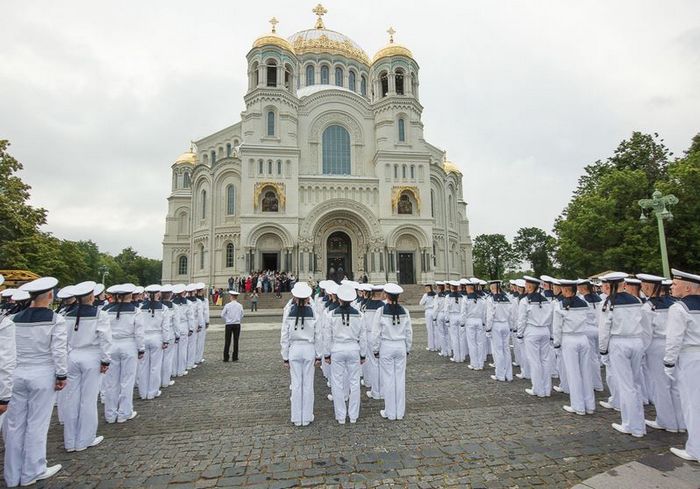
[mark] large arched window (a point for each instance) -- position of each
(182, 265)
(271, 73)
(339, 76)
(310, 75)
(384, 82)
(270, 123)
(398, 81)
(363, 86)
(230, 200)
(229, 255)
(336, 151)
(203, 204)
(187, 181)
(325, 75)
(402, 130)
(351, 81)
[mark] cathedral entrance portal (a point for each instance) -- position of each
(406, 268)
(270, 261)
(339, 253)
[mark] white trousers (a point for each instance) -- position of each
(594, 358)
(520, 356)
(119, 381)
(375, 377)
(500, 346)
(688, 372)
(540, 358)
(201, 341)
(430, 329)
(560, 367)
(192, 350)
(166, 370)
(181, 355)
(151, 366)
(26, 424)
(345, 371)
(80, 400)
(667, 399)
(625, 364)
(476, 342)
(575, 355)
(458, 351)
(302, 356)
(443, 329)
(392, 361)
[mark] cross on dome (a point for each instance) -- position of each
(274, 23)
(320, 11)
(391, 33)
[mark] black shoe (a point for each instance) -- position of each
(235, 360)
(225, 359)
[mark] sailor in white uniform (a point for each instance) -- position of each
(196, 325)
(41, 371)
(89, 344)
(428, 302)
(156, 320)
(441, 324)
(184, 316)
(498, 308)
(534, 326)
(204, 322)
(518, 346)
(302, 347)
(128, 344)
(474, 316)
(452, 304)
(372, 306)
(571, 320)
(682, 359)
(392, 338)
(172, 336)
(586, 292)
(345, 350)
(623, 327)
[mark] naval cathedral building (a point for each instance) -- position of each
(327, 171)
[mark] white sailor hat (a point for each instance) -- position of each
(688, 277)
(532, 280)
(166, 288)
(439, 282)
(583, 281)
(344, 281)
(566, 282)
(178, 288)
(632, 281)
(139, 289)
(2, 279)
(377, 288)
(152, 288)
(332, 287)
(7, 292)
(112, 289)
(667, 281)
(233, 292)
(200, 285)
(66, 292)
(347, 293)
(355, 284)
(495, 282)
(365, 287)
(555, 281)
(613, 277)
(482, 282)
(464, 281)
(99, 288)
(322, 284)
(84, 288)
(546, 279)
(453, 283)
(301, 290)
(125, 289)
(646, 277)
(190, 287)
(393, 289)
(519, 282)
(512, 282)
(40, 285)
(20, 295)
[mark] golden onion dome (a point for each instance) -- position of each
(450, 167)
(272, 39)
(392, 49)
(187, 157)
(322, 40)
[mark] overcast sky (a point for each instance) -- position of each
(99, 98)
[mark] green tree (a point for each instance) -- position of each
(535, 246)
(493, 254)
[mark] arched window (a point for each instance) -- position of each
(271, 74)
(270, 202)
(204, 204)
(432, 203)
(229, 255)
(384, 80)
(398, 81)
(279, 167)
(396, 171)
(403, 171)
(325, 75)
(402, 130)
(256, 75)
(363, 86)
(413, 171)
(336, 151)
(230, 200)
(182, 265)
(228, 150)
(351, 81)
(201, 257)
(260, 167)
(270, 123)
(213, 158)
(310, 75)
(449, 205)
(339, 77)
(269, 167)
(187, 181)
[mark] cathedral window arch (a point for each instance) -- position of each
(403, 171)
(432, 204)
(325, 75)
(396, 172)
(413, 172)
(338, 76)
(279, 167)
(201, 257)
(384, 83)
(310, 75)
(336, 150)
(182, 265)
(213, 157)
(269, 167)
(270, 122)
(255, 75)
(449, 205)
(402, 130)
(229, 256)
(260, 167)
(230, 200)
(203, 203)
(187, 180)
(271, 66)
(399, 81)
(205, 158)
(351, 80)
(288, 77)
(228, 150)
(363, 85)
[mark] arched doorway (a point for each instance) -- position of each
(339, 256)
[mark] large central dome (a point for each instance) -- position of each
(321, 40)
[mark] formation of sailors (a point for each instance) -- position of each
(644, 329)
(359, 334)
(89, 345)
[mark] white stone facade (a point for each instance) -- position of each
(279, 189)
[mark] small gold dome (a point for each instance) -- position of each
(187, 157)
(392, 49)
(273, 40)
(450, 167)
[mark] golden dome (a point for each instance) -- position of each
(187, 157)
(392, 49)
(322, 40)
(450, 167)
(272, 39)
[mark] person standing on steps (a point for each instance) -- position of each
(232, 314)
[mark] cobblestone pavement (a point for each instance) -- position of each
(227, 425)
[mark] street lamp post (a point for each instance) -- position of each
(657, 205)
(104, 271)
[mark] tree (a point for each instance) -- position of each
(493, 254)
(535, 246)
